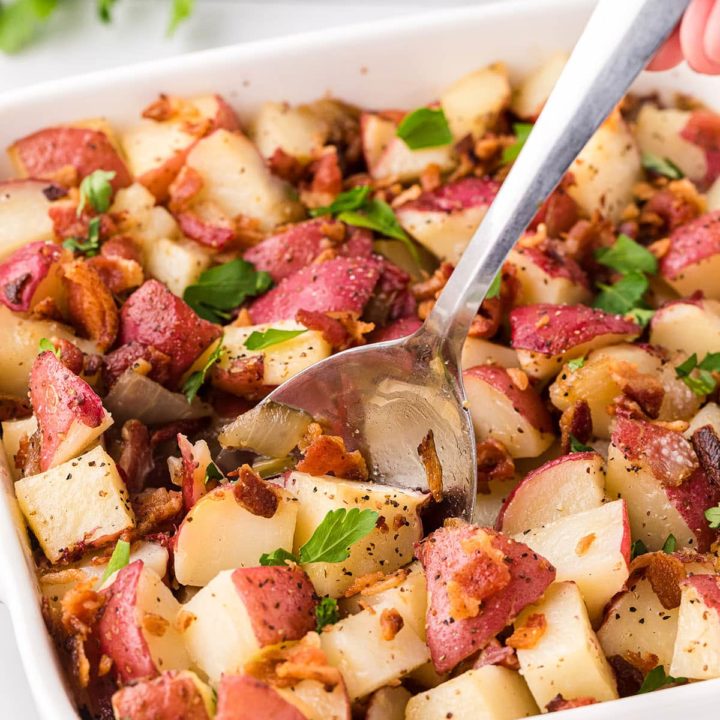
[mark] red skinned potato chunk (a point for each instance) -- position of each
(341, 284)
(546, 336)
(693, 261)
(154, 316)
(26, 271)
(240, 697)
(172, 696)
(478, 582)
(69, 413)
(48, 153)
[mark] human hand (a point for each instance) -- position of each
(696, 39)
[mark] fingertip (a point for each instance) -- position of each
(692, 37)
(711, 37)
(669, 55)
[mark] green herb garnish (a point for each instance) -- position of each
(326, 613)
(494, 289)
(46, 345)
(698, 376)
(96, 190)
(576, 363)
(627, 256)
(20, 22)
(521, 131)
(657, 678)
(212, 473)
(424, 128)
(661, 166)
(577, 447)
(89, 247)
(196, 380)
(712, 515)
(670, 544)
(638, 548)
(118, 560)
(181, 11)
(272, 336)
(352, 199)
(624, 295)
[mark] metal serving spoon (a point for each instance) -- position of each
(384, 398)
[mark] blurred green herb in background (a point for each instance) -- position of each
(21, 20)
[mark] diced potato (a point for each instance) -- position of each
(566, 659)
(13, 432)
(23, 214)
(176, 263)
(478, 351)
(530, 96)
(141, 218)
(81, 502)
(487, 693)
(388, 703)
(381, 550)
(297, 131)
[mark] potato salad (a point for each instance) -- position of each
(199, 557)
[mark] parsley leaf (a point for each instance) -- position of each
(104, 10)
(352, 199)
(656, 679)
(624, 295)
(712, 515)
(638, 548)
(272, 336)
(118, 560)
(338, 530)
(627, 256)
(195, 380)
(20, 21)
(212, 473)
(685, 368)
(698, 376)
(576, 364)
(326, 613)
(494, 289)
(522, 131)
(277, 557)
(577, 447)
(642, 316)
(711, 362)
(96, 190)
(46, 345)
(225, 287)
(89, 247)
(424, 128)
(661, 166)
(670, 544)
(181, 11)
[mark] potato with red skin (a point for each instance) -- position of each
(138, 627)
(691, 325)
(478, 582)
(172, 696)
(240, 697)
(337, 285)
(194, 462)
(397, 329)
(546, 336)
(49, 152)
(30, 274)
(286, 252)
(655, 470)
(693, 261)
(502, 411)
(154, 316)
(69, 413)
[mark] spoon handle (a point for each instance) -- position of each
(618, 41)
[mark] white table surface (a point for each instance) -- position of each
(73, 42)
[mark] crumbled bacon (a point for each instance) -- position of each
(256, 495)
(430, 178)
(27, 458)
(325, 180)
(286, 166)
(121, 246)
(13, 408)
(664, 572)
(155, 508)
(494, 462)
(529, 634)
(118, 274)
(560, 703)
(184, 189)
(673, 209)
(628, 677)
(496, 654)
(243, 377)
(391, 623)
(67, 224)
(327, 455)
(431, 463)
(70, 355)
(644, 662)
(576, 421)
(432, 287)
(120, 360)
(707, 448)
(340, 329)
(361, 583)
(161, 109)
(644, 389)
(136, 458)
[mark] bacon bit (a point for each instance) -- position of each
(118, 274)
(70, 354)
(391, 623)
(286, 167)
(407, 195)
(326, 179)
(14, 408)
(387, 582)
(493, 463)
(529, 634)
(47, 309)
(27, 458)
(336, 332)
(248, 231)
(121, 246)
(63, 577)
(361, 584)
(542, 321)
(161, 109)
(90, 304)
(664, 573)
(104, 665)
(432, 287)
(519, 378)
(136, 458)
(184, 620)
(154, 508)
(433, 469)
(79, 659)
(313, 432)
(126, 356)
(707, 447)
(496, 654)
(629, 678)
(576, 421)
(80, 609)
(560, 703)
(327, 455)
(584, 544)
(254, 494)
(184, 189)
(155, 625)
(644, 389)
(644, 662)
(430, 177)
(244, 377)
(660, 248)
(66, 222)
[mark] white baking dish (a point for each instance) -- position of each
(396, 63)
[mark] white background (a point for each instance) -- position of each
(74, 42)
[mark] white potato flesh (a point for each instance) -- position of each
(296, 131)
(473, 102)
(13, 431)
(689, 327)
(23, 214)
(487, 693)
(567, 658)
(607, 169)
(79, 438)
(488, 504)
(444, 234)
(566, 486)
(82, 501)
(535, 88)
(317, 701)
(237, 180)
(141, 218)
(282, 360)
(367, 661)
(707, 415)
(591, 548)
(658, 133)
(478, 351)
(696, 654)
(176, 263)
(381, 550)
(637, 625)
(388, 703)
(150, 144)
(218, 631)
(220, 534)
